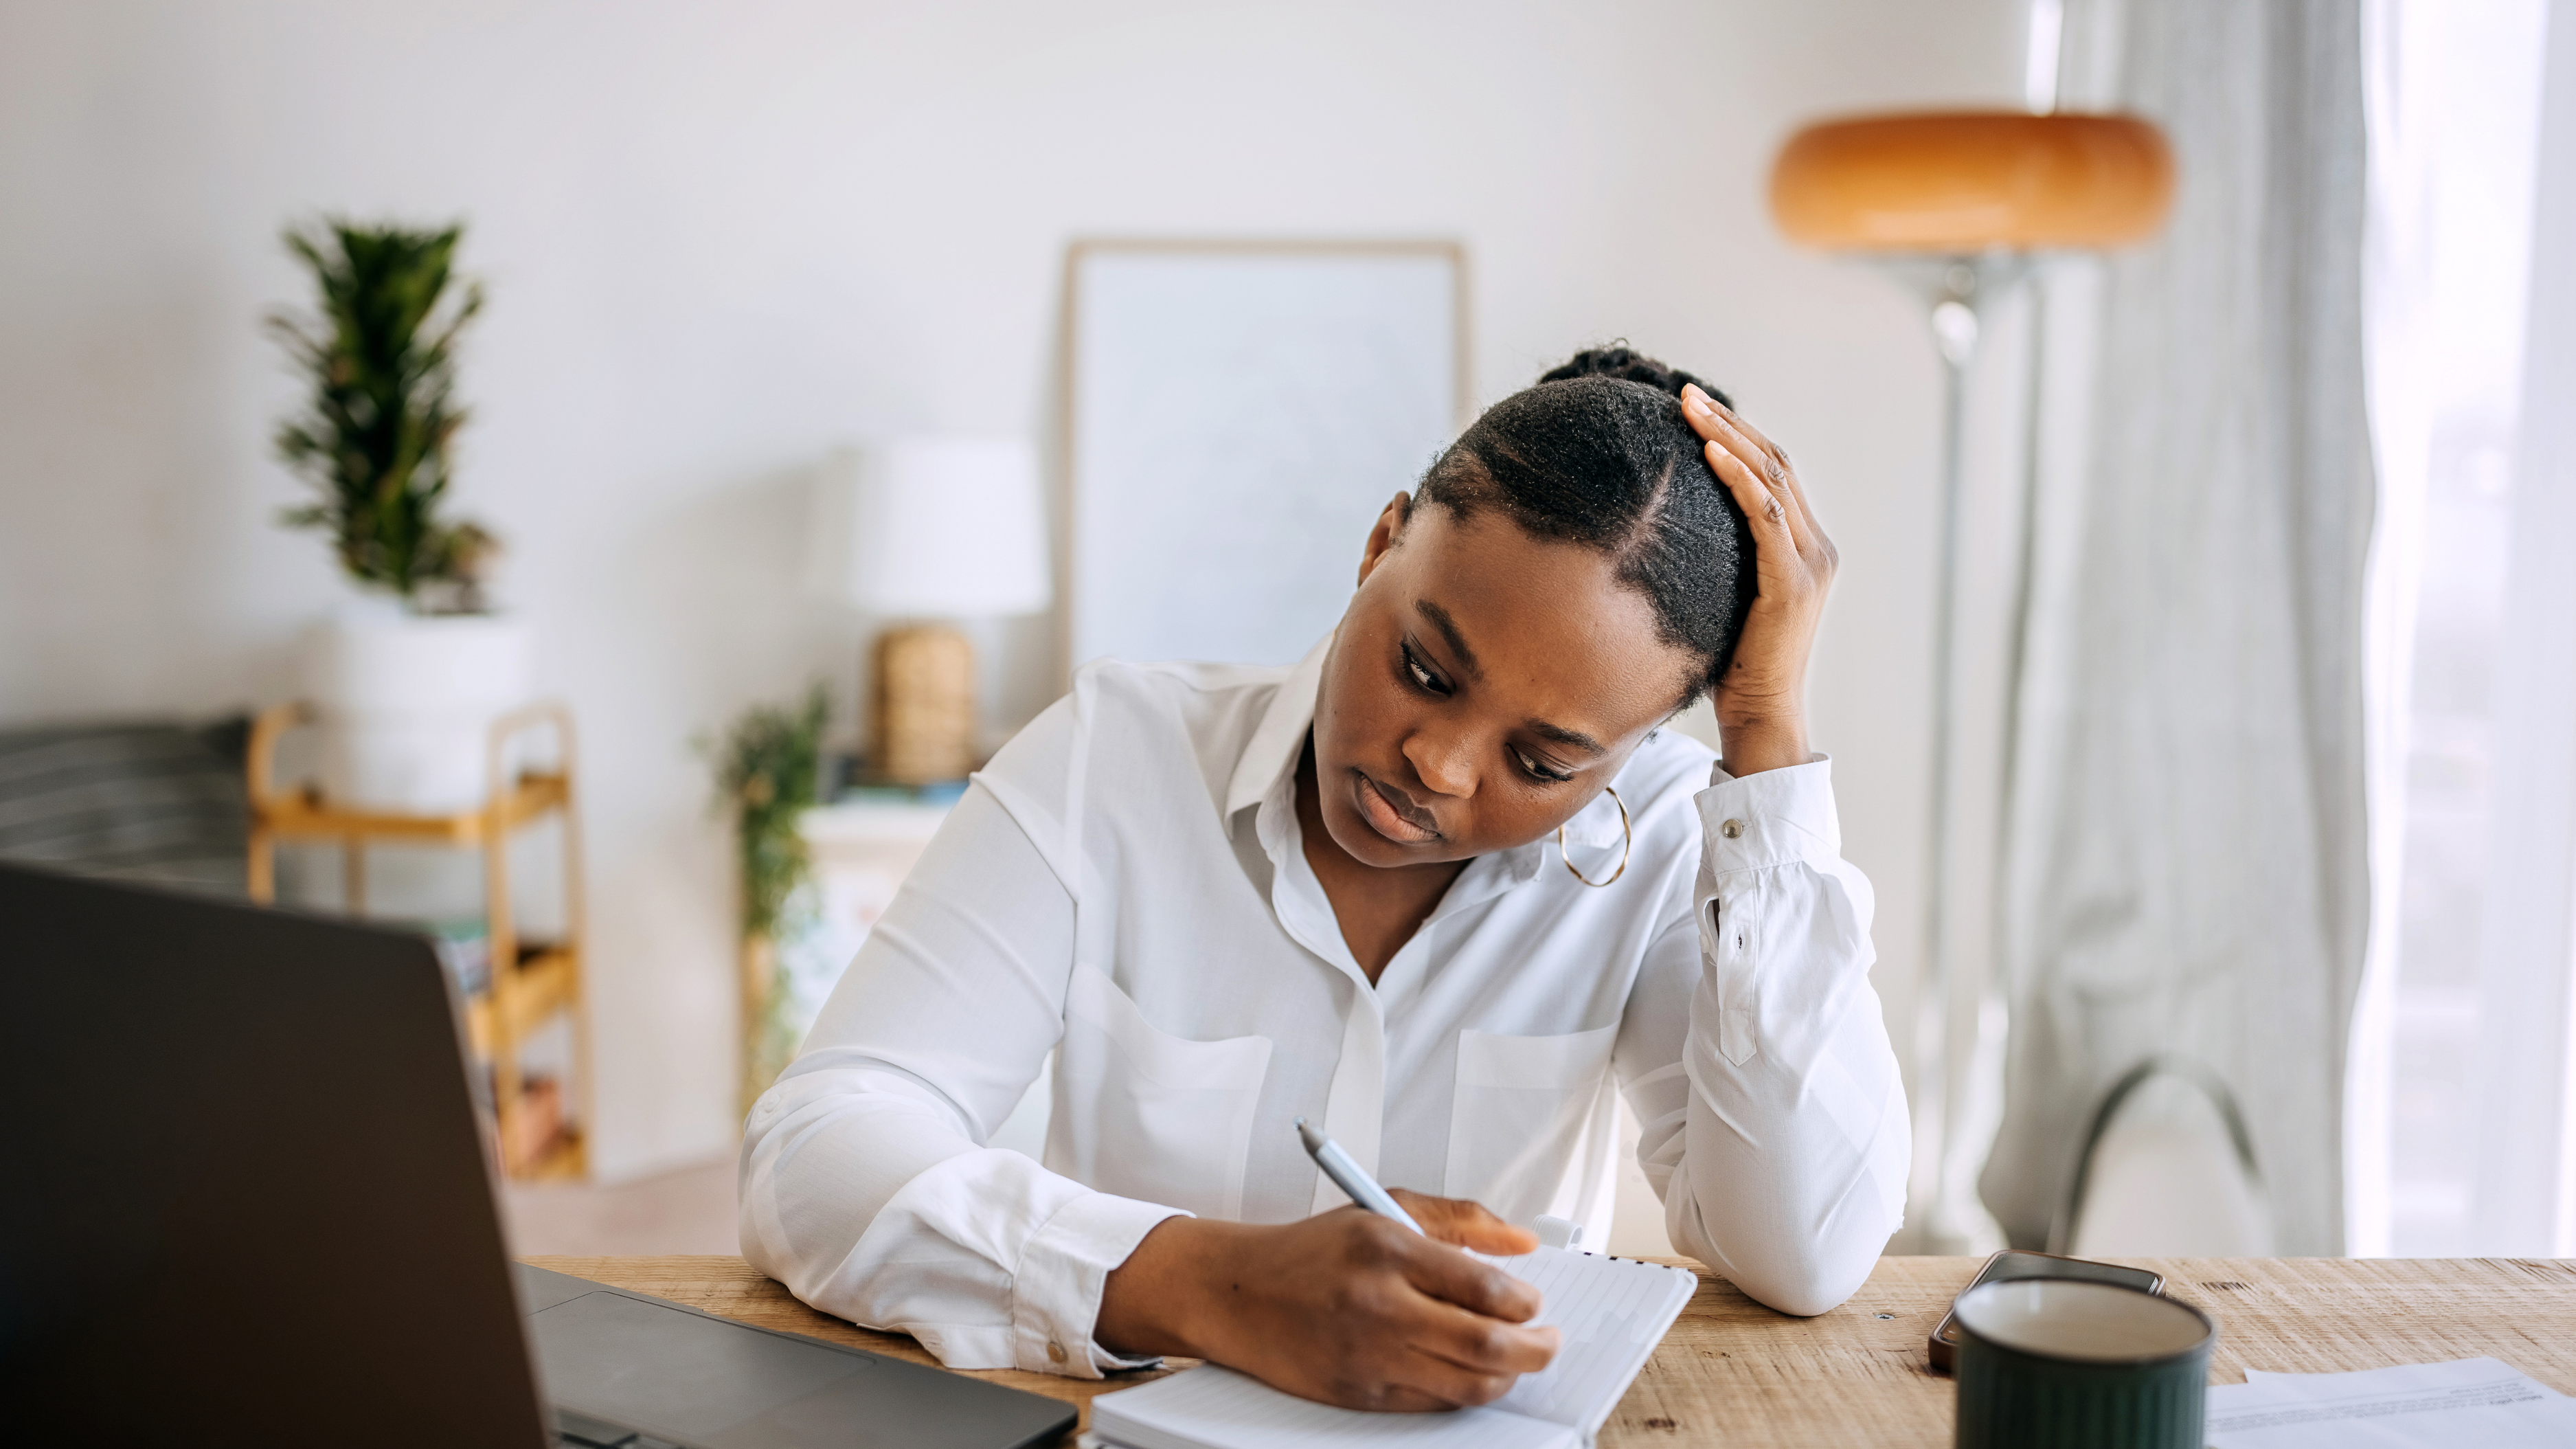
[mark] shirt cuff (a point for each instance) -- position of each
(1768, 819)
(1055, 1295)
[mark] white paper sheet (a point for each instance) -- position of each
(2476, 1401)
(1209, 1405)
(1612, 1312)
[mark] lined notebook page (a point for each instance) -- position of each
(1613, 1312)
(1217, 1406)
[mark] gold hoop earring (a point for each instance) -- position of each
(1627, 843)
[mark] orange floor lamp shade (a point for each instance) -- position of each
(1965, 182)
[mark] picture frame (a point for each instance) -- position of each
(1234, 416)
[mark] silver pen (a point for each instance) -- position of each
(1347, 1176)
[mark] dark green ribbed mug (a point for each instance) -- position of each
(2059, 1363)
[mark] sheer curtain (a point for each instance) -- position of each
(2184, 873)
(2526, 1193)
(2459, 1121)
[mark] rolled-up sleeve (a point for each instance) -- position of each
(1775, 1128)
(866, 1187)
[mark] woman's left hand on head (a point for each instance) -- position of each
(1761, 703)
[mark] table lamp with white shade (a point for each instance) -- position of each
(928, 530)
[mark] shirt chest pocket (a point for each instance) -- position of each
(1146, 1114)
(1523, 1107)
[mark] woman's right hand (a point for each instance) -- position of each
(1345, 1307)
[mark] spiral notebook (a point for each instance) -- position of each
(1612, 1311)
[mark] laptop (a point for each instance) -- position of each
(246, 1197)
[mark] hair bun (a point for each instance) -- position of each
(1625, 363)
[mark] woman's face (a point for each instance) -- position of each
(1484, 686)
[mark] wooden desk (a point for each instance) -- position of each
(1734, 1372)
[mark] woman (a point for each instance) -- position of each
(1437, 888)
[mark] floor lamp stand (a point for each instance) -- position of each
(1953, 289)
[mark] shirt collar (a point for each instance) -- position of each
(1281, 736)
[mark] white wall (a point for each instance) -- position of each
(720, 237)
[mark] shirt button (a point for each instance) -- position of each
(1055, 1350)
(1731, 829)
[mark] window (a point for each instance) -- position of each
(2455, 107)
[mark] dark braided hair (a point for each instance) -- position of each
(1598, 453)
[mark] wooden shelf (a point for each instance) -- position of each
(530, 983)
(547, 981)
(308, 816)
(567, 1161)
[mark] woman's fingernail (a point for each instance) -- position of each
(1694, 399)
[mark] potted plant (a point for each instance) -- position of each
(409, 681)
(769, 767)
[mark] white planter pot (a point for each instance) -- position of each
(407, 706)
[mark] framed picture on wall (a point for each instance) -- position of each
(1236, 416)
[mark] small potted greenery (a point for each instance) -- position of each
(410, 678)
(768, 773)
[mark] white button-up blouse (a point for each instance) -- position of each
(1124, 887)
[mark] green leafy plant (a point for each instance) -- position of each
(769, 768)
(374, 437)
(768, 771)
